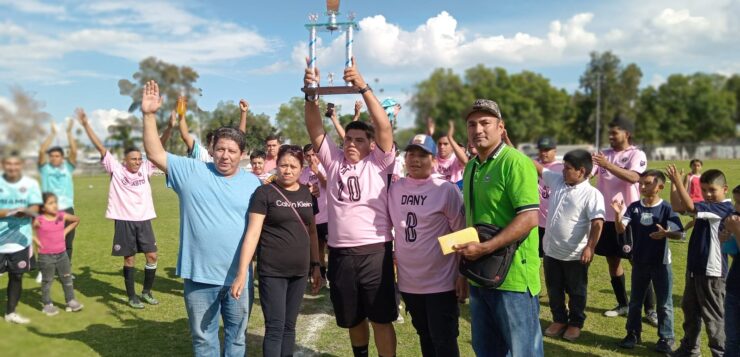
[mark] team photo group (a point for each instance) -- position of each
(444, 226)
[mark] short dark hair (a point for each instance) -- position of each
(579, 159)
(272, 137)
(657, 174)
(713, 177)
(736, 190)
(307, 147)
(209, 138)
(691, 163)
(44, 197)
(291, 150)
(257, 154)
(229, 133)
(55, 149)
(361, 125)
(129, 150)
(440, 135)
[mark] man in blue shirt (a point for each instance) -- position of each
(214, 200)
(56, 174)
(19, 200)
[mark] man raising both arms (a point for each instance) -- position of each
(360, 247)
(56, 176)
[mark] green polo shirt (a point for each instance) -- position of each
(504, 185)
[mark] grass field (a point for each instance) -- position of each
(108, 327)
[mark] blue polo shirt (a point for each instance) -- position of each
(705, 257)
(213, 218)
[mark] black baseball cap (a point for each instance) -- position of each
(622, 122)
(546, 143)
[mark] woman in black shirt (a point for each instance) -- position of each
(282, 232)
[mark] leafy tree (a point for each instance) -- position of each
(228, 114)
(290, 120)
(21, 127)
(125, 133)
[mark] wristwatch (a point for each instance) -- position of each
(315, 264)
(363, 90)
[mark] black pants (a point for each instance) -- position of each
(566, 277)
(280, 299)
(70, 237)
(435, 317)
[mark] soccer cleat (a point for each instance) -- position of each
(149, 299)
(74, 306)
(135, 303)
(50, 310)
(664, 345)
(630, 340)
(685, 351)
(16, 319)
(617, 311)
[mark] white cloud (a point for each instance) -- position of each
(657, 80)
(101, 119)
(33, 7)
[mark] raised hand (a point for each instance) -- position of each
(81, 116)
(673, 174)
(243, 105)
(352, 75)
(311, 76)
(53, 128)
(618, 206)
(660, 234)
(430, 126)
(70, 125)
(358, 107)
(151, 100)
(451, 130)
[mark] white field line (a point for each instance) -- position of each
(310, 327)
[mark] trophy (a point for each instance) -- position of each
(332, 24)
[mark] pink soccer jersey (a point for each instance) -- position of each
(421, 211)
(451, 169)
(614, 188)
(129, 194)
(270, 165)
(307, 176)
(555, 166)
(357, 197)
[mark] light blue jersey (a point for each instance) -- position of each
(58, 180)
(213, 218)
(15, 233)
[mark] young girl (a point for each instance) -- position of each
(53, 259)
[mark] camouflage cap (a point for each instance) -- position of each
(483, 105)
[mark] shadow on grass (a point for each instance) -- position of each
(162, 284)
(133, 337)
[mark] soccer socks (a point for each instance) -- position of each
(650, 299)
(15, 285)
(149, 270)
(620, 292)
(360, 351)
(128, 278)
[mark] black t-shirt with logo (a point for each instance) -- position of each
(284, 246)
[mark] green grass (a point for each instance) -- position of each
(107, 327)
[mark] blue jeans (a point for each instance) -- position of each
(732, 324)
(204, 303)
(662, 278)
(505, 323)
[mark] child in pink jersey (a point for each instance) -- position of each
(131, 208)
(423, 208)
(53, 259)
(315, 175)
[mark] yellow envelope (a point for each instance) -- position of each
(460, 237)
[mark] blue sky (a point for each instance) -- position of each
(72, 53)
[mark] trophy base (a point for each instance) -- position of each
(330, 90)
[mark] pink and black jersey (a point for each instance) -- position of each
(555, 166)
(614, 188)
(130, 193)
(357, 198)
(422, 211)
(450, 169)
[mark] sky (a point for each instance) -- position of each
(73, 53)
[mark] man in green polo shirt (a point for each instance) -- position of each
(500, 188)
